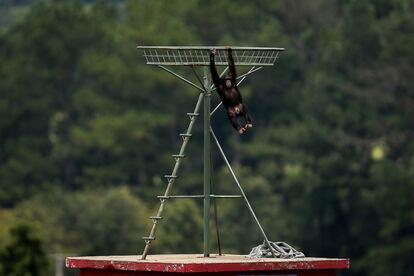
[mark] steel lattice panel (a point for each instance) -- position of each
(200, 56)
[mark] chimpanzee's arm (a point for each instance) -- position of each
(214, 74)
(232, 67)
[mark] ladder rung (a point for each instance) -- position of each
(170, 176)
(178, 155)
(181, 196)
(199, 196)
(192, 114)
(185, 136)
(155, 217)
(226, 196)
(187, 196)
(148, 238)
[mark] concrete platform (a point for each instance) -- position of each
(195, 264)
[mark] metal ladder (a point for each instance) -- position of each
(171, 177)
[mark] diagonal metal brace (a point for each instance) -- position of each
(181, 78)
(249, 207)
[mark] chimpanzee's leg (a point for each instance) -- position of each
(247, 117)
(234, 122)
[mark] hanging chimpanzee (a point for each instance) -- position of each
(229, 93)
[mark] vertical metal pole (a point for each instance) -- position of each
(207, 162)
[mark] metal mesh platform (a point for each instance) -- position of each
(199, 56)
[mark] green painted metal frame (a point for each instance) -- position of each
(199, 55)
(207, 163)
(205, 89)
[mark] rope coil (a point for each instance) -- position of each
(280, 250)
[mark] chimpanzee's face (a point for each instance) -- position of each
(228, 83)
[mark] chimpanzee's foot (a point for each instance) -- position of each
(241, 130)
(248, 126)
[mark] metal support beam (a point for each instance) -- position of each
(198, 78)
(181, 78)
(207, 162)
(198, 196)
(249, 207)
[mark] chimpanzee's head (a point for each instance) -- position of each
(228, 82)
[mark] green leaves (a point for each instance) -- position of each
(23, 255)
(181, 228)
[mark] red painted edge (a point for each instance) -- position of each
(297, 264)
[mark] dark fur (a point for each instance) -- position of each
(230, 96)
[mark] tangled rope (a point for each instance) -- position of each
(280, 249)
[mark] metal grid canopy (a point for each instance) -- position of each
(199, 56)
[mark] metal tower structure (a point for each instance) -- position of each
(161, 56)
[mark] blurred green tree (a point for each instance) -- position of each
(24, 254)
(181, 228)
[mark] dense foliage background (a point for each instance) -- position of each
(87, 130)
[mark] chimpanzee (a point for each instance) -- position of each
(229, 93)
